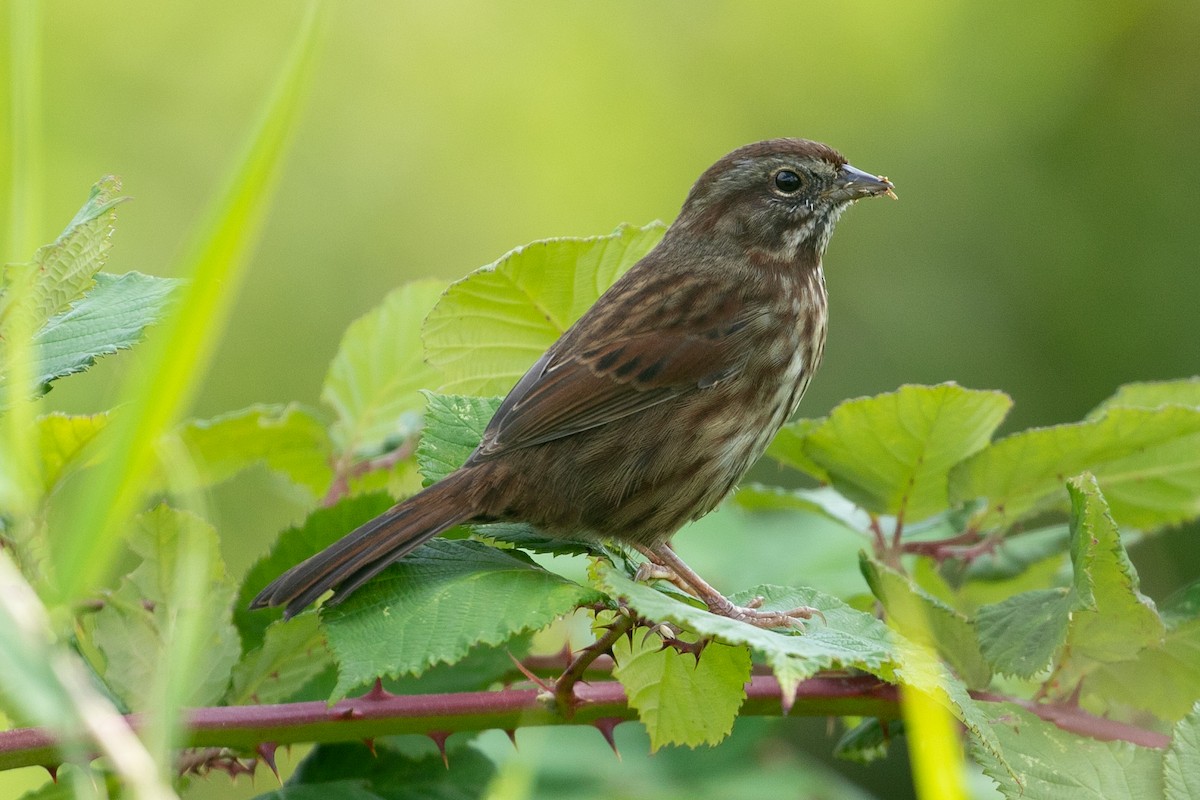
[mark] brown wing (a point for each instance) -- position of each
(577, 386)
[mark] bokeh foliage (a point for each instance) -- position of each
(1046, 243)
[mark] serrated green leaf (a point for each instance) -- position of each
(322, 528)
(292, 653)
(924, 619)
(892, 453)
(112, 316)
(133, 628)
(438, 602)
(680, 699)
(61, 440)
(163, 536)
(288, 439)
(1147, 461)
(374, 382)
(1020, 635)
(788, 447)
(1051, 764)
(1102, 619)
(1111, 619)
(354, 772)
(848, 639)
(454, 424)
(492, 325)
(1181, 764)
(1152, 394)
(63, 270)
(1163, 679)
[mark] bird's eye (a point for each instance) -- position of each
(788, 181)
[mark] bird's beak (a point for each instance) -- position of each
(853, 184)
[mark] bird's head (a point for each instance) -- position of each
(777, 199)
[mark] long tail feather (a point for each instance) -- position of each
(361, 554)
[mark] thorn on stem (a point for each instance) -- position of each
(606, 726)
(266, 752)
(53, 770)
(377, 692)
(512, 736)
(439, 738)
(370, 743)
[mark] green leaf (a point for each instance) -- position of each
(924, 619)
(682, 699)
(494, 324)
(1147, 460)
(1181, 764)
(454, 424)
(61, 441)
(355, 772)
(1152, 394)
(1020, 635)
(1111, 620)
(892, 453)
(438, 602)
(867, 742)
(292, 654)
(375, 381)
(132, 630)
(112, 316)
(1101, 618)
(847, 639)
(288, 439)
(825, 501)
(63, 270)
(322, 528)
(1163, 679)
(1051, 764)
(788, 447)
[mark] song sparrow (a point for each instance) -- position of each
(651, 407)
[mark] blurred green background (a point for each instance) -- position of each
(1047, 241)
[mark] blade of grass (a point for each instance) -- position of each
(182, 348)
(19, 477)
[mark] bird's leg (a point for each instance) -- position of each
(666, 565)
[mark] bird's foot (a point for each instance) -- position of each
(753, 614)
(666, 566)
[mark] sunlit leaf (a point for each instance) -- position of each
(682, 699)
(1146, 460)
(289, 440)
(63, 270)
(375, 381)
(492, 325)
(1152, 394)
(61, 441)
(891, 453)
